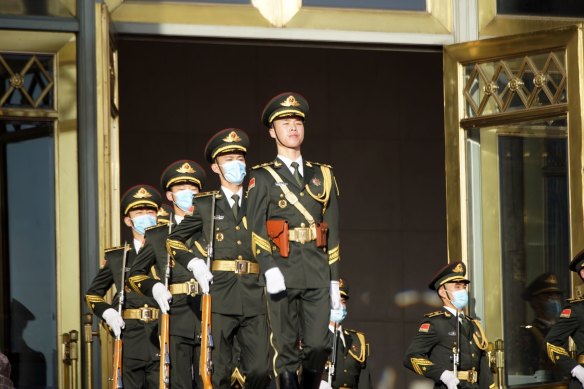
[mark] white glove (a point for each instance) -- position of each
(449, 379)
(335, 295)
(114, 320)
(275, 281)
(162, 296)
(578, 373)
(201, 273)
(324, 385)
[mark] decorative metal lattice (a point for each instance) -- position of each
(514, 84)
(27, 81)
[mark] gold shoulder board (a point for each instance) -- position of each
(209, 193)
(262, 165)
(575, 300)
(436, 313)
(309, 163)
(112, 249)
(156, 226)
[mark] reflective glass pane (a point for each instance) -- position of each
(569, 8)
(526, 165)
(32, 262)
(60, 8)
(27, 81)
(395, 5)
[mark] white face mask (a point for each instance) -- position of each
(142, 222)
(184, 199)
(234, 171)
(459, 299)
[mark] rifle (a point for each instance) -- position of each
(331, 370)
(116, 381)
(206, 363)
(164, 380)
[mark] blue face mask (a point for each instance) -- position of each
(459, 299)
(142, 222)
(338, 315)
(184, 199)
(552, 308)
(234, 171)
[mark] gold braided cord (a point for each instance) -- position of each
(362, 354)
(244, 221)
(324, 198)
(482, 343)
(334, 255)
(420, 364)
(554, 352)
(173, 245)
(201, 249)
(135, 282)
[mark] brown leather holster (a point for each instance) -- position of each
(278, 233)
(321, 234)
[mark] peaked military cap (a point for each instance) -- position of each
(545, 283)
(183, 171)
(229, 140)
(578, 262)
(140, 196)
(453, 272)
(344, 288)
(163, 215)
(283, 105)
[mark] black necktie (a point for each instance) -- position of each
(235, 207)
(296, 174)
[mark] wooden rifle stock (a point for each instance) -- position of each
(206, 362)
(164, 380)
(116, 382)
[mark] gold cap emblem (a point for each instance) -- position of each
(142, 194)
(458, 269)
(232, 137)
(552, 279)
(290, 102)
(186, 168)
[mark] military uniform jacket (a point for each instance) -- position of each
(184, 316)
(351, 368)
(307, 265)
(430, 353)
(140, 339)
(233, 294)
(569, 324)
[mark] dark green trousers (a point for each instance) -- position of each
(252, 336)
(138, 374)
(300, 314)
(182, 359)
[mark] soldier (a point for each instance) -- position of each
(569, 324)
(181, 180)
(447, 335)
(239, 307)
(293, 214)
(545, 298)
(139, 318)
(350, 369)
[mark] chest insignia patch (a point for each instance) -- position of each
(452, 333)
(424, 327)
(281, 183)
(251, 184)
(566, 313)
(282, 203)
(316, 181)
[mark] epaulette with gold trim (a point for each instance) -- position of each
(438, 313)
(208, 193)
(310, 163)
(157, 226)
(262, 165)
(575, 300)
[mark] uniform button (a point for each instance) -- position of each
(345, 370)
(217, 229)
(302, 225)
(238, 242)
(237, 228)
(274, 248)
(301, 194)
(281, 195)
(472, 355)
(239, 257)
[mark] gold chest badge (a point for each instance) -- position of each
(282, 203)
(219, 237)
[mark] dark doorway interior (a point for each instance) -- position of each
(376, 117)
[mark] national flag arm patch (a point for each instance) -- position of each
(424, 327)
(251, 184)
(566, 313)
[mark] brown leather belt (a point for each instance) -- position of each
(146, 314)
(238, 266)
(189, 287)
(581, 358)
(302, 234)
(471, 376)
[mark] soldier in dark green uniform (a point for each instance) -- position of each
(181, 180)
(139, 318)
(569, 324)
(238, 303)
(350, 369)
(431, 353)
(294, 214)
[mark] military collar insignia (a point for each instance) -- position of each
(290, 101)
(142, 194)
(232, 137)
(186, 168)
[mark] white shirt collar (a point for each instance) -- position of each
(340, 330)
(138, 245)
(229, 193)
(178, 219)
(453, 311)
(288, 162)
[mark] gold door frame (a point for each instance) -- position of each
(455, 56)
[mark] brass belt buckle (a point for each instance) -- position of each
(302, 234)
(241, 267)
(472, 376)
(146, 314)
(192, 288)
